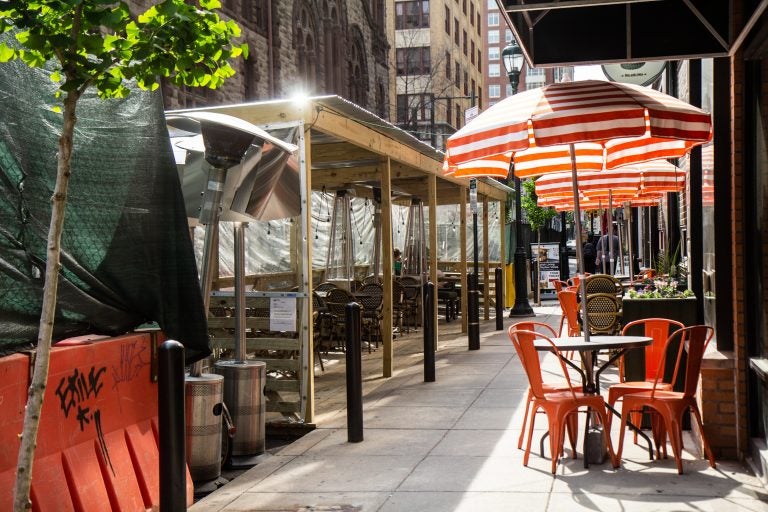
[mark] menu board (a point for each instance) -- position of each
(547, 257)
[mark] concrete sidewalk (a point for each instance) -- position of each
(451, 445)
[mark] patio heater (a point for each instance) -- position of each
(415, 253)
(226, 141)
(340, 262)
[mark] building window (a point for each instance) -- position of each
(458, 118)
(413, 61)
(447, 65)
(464, 46)
(358, 73)
(563, 74)
(493, 53)
(509, 90)
(477, 25)
(472, 87)
(494, 91)
(412, 108)
(493, 37)
(255, 12)
(306, 50)
(456, 31)
(472, 52)
(412, 14)
(466, 84)
(492, 5)
(534, 72)
(457, 75)
(479, 59)
(447, 20)
(508, 36)
(472, 14)
(494, 70)
(493, 19)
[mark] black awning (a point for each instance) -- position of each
(569, 32)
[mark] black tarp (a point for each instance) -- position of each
(127, 258)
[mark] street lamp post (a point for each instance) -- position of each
(512, 56)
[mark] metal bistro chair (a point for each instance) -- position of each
(559, 406)
(668, 405)
(531, 325)
(322, 325)
(603, 283)
(411, 298)
(337, 301)
(603, 313)
(371, 298)
(659, 329)
(398, 305)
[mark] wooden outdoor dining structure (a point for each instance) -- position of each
(341, 147)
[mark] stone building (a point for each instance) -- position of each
(313, 47)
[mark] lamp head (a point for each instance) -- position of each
(512, 56)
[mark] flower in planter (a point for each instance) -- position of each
(660, 289)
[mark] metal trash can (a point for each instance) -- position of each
(244, 396)
(203, 397)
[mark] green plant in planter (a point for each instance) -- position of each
(665, 291)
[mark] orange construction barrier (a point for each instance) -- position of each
(97, 444)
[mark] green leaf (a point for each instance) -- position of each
(6, 54)
(56, 76)
(210, 4)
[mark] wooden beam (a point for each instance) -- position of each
(432, 208)
(387, 271)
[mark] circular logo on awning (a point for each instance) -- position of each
(639, 73)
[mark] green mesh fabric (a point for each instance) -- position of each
(127, 258)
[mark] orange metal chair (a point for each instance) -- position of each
(569, 304)
(559, 406)
(531, 325)
(670, 405)
(659, 329)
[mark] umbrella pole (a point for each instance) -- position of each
(611, 255)
(629, 245)
(579, 249)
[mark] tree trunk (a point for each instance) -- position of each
(538, 267)
(45, 332)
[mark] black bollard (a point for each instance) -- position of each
(429, 332)
(170, 390)
(499, 299)
(473, 314)
(354, 374)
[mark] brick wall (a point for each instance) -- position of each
(717, 404)
(737, 246)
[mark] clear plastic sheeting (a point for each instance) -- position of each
(268, 244)
(126, 254)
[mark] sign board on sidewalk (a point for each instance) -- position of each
(548, 257)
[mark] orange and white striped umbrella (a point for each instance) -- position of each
(566, 203)
(613, 123)
(579, 126)
(637, 179)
